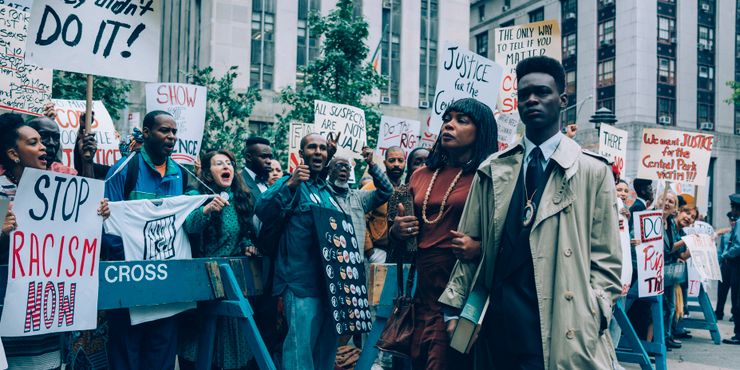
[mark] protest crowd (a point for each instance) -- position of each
(533, 229)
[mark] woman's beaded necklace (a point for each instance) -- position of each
(444, 199)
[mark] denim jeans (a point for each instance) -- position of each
(311, 342)
(669, 310)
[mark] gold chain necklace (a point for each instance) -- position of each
(444, 199)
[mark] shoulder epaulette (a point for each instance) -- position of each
(597, 156)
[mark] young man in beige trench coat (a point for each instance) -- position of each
(543, 221)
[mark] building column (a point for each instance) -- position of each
(286, 43)
(410, 53)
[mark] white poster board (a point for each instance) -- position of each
(695, 280)
(512, 45)
(22, 5)
(399, 132)
(624, 239)
(613, 145)
(53, 255)
(648, 228)
(23, 88)
(187, 105)
(345, 120)
(704, 256)
(108, 38)
(676, 156)
(297, 131)
(463, 74)
(68, 119)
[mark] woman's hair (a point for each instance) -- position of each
(622, 182)
(9, 125)
(661, 199)
(486, 136)
(242, 200)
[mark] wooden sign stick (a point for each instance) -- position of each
(88, 110)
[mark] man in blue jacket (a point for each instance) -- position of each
(147, 174)
(731, 256)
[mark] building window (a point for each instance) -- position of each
(704, 114)
(482, 13)
(507, 4)
(481, 44)
(508, 23)
(667, 71)
(707, 6)
(605, 73)
(606, 103)
(570, 82)
(428, 57)
(666, 109)
(569, 45)
(666, 29)
(706, 38)
(263, 44)
(568, 6)
(606, 33)
(308, 44)
(537, 15)
(706, 78)
(390, 57)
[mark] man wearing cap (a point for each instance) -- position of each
(723, 288)
(731, 256)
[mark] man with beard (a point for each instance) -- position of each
(376, 236)
(359, 202)
(51, 138)
(150, 345)
(311, 341)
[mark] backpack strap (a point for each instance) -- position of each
(132, 174)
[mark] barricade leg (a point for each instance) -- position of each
(631, 350)
(710, 320)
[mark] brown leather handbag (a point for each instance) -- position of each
(399, 329)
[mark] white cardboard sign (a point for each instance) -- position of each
(649, 252)
(464, 74)
(704, 256)
(676, 156)
(23, 88)
(108, 38)
(624, 238)
(399, 132)
(345, 120)
(68, 119)
(187, 105)
(613, 145)
(297, 131)
(53, 255)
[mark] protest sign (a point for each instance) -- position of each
(187, 105)
(674, 156)
(694, 279)
(345, 120)
(108, 38)
(399, 132)
(68, 119)
(343, 268)
(21, 5)
(649, 252)
(704, 255)
(613, 145)
(23, 88)
(624, 238)
(427, 138)
(297, 131)
(463, 74)
(54, 253)
(3, 359)
(514, 44)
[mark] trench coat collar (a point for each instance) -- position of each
(565, 156)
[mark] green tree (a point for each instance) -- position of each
(227, 110)
(112, 91)
(735, 98)
(340, 75)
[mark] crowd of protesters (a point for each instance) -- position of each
(535, 224)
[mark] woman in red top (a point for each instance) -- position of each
(439, 191)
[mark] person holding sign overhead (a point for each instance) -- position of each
(549, 254)
(438, 191)
(311, 342)
(21, 147)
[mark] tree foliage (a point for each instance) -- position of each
(735, 98)
(112, 91)
(227, 110)
(340, 74)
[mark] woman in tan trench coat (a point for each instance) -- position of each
(575, 252)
